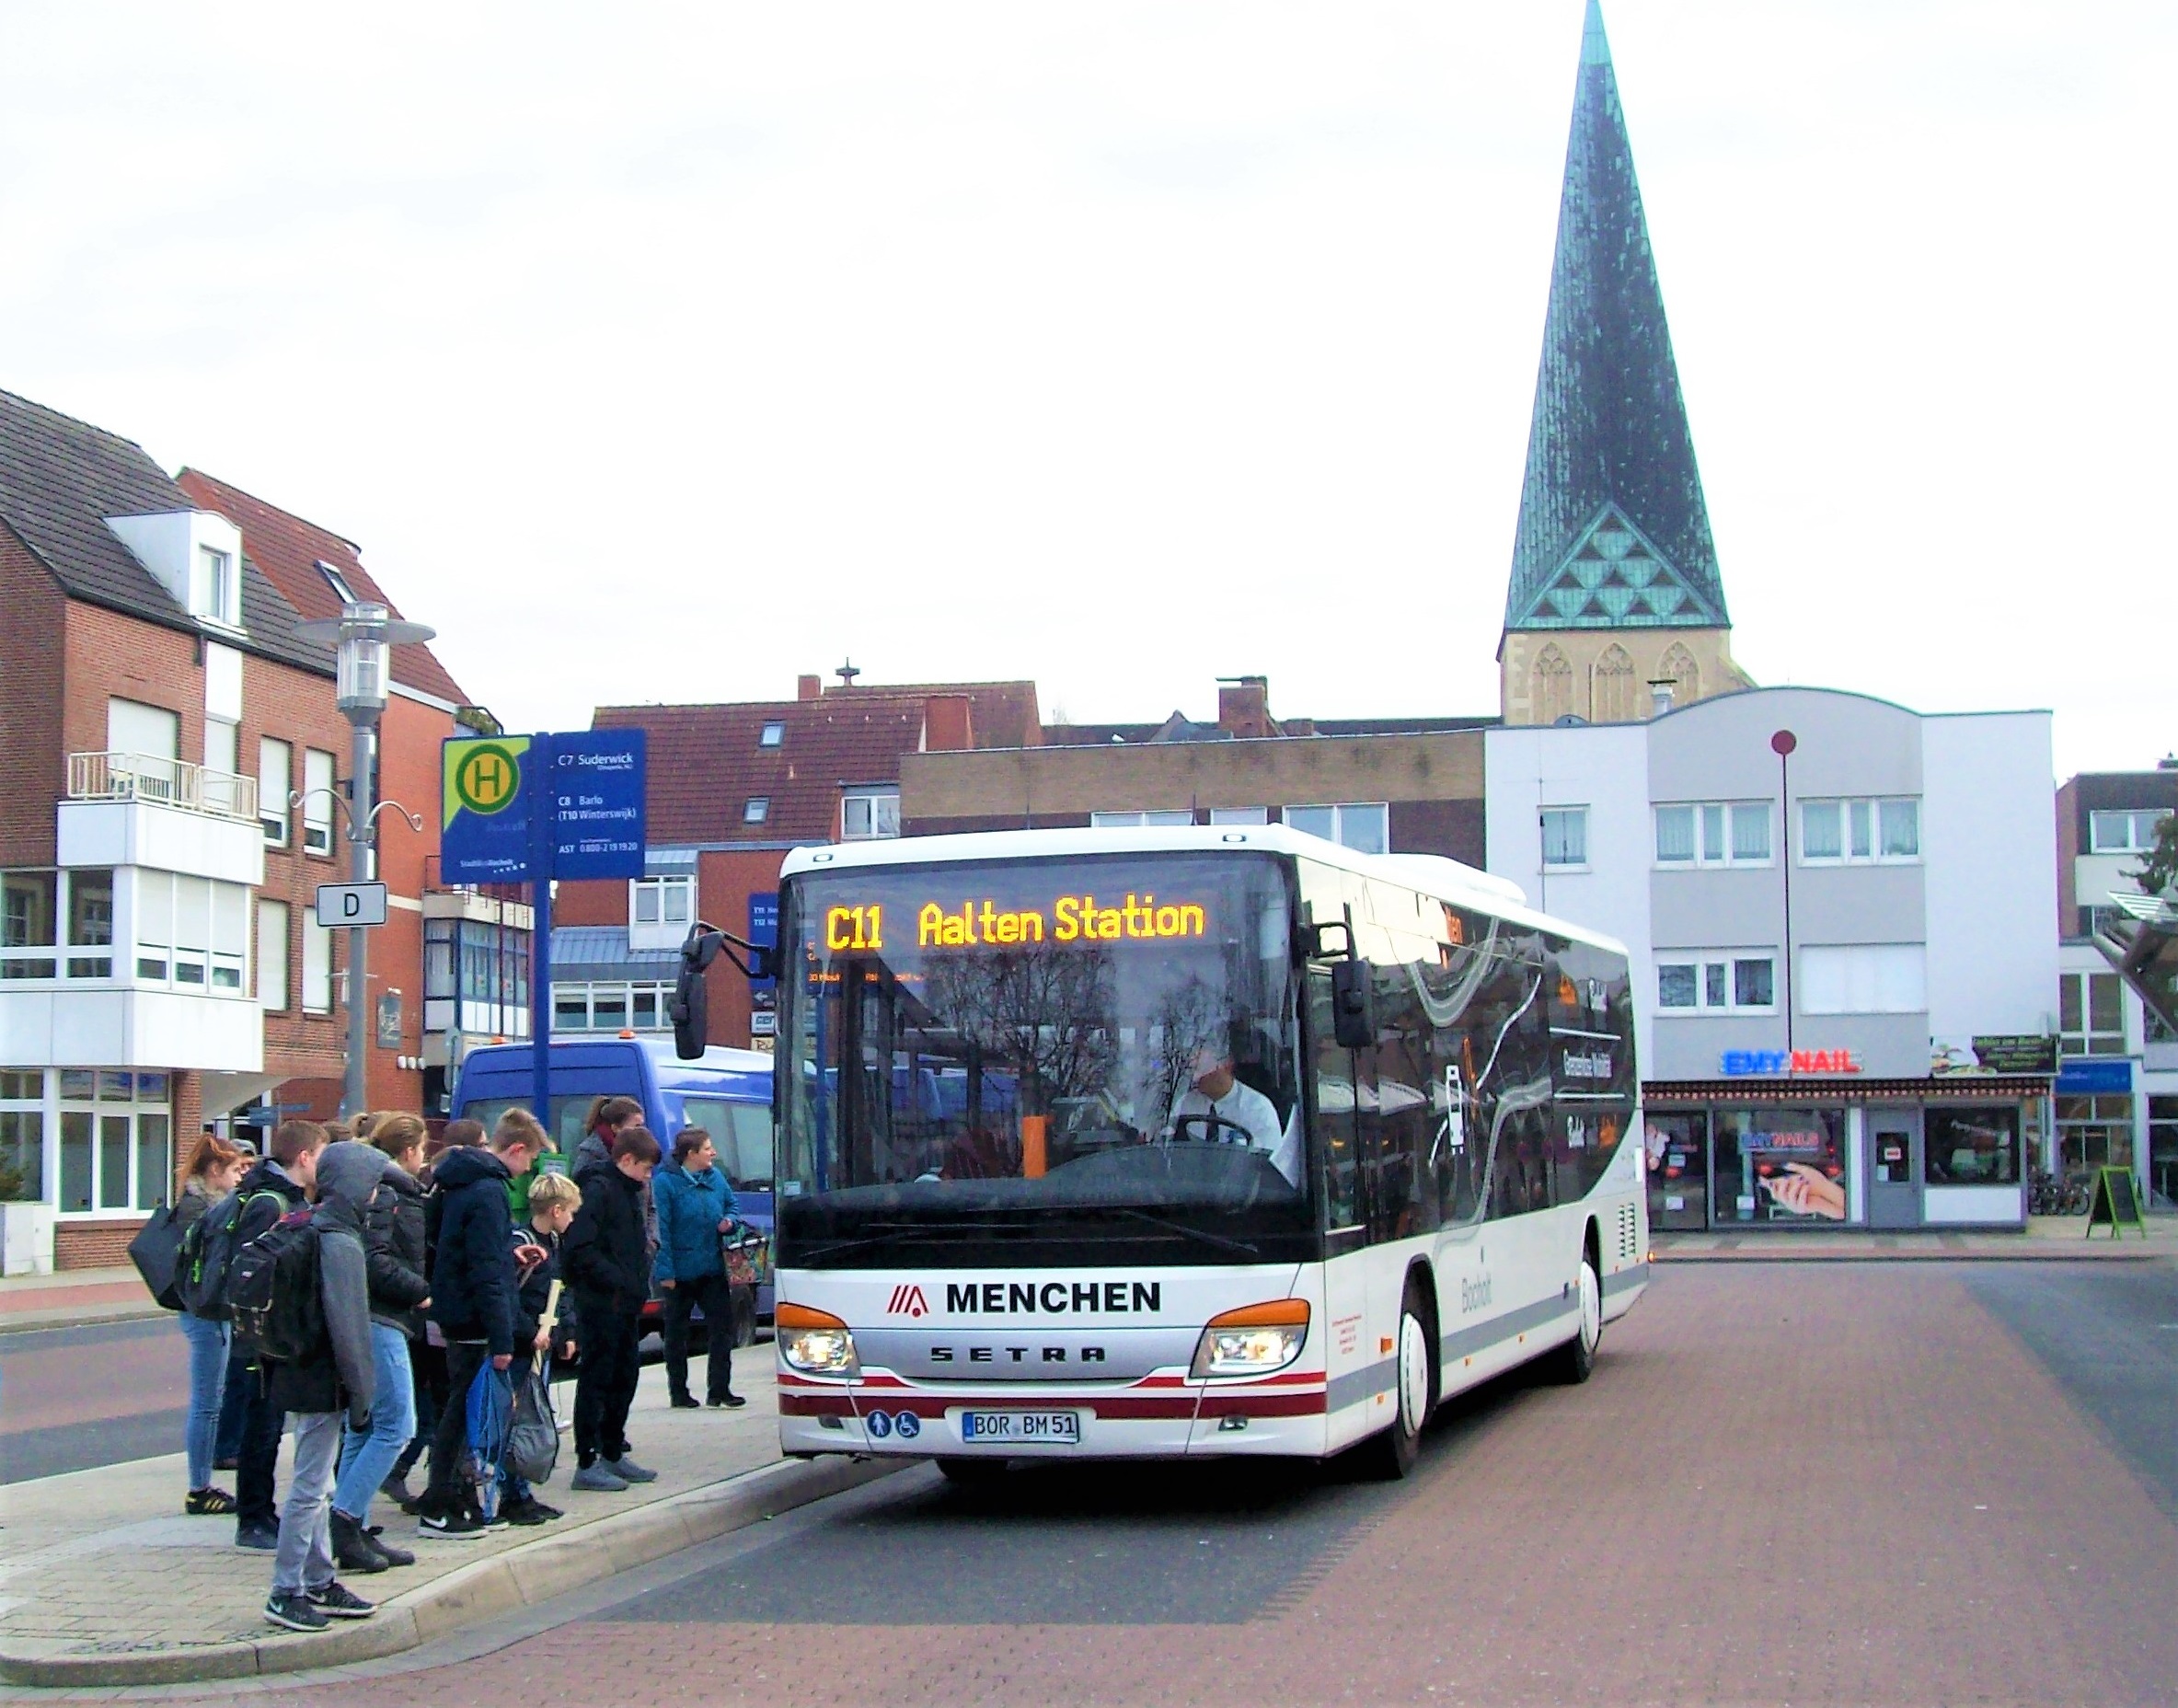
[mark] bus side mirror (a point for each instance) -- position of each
(1354, 1004)
(691, 997)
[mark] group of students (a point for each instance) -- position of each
(422, 1273)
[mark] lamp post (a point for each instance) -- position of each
(363, 637)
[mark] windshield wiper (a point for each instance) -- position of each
(1207, 1238)
(894, 1233)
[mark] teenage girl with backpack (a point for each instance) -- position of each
(213, 1170)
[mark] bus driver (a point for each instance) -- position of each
(1216, 1092)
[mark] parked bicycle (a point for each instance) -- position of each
(2053, 1194)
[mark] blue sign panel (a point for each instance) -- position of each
(596, 788)
(2077, 1078)
(764, 927)
(484, 808)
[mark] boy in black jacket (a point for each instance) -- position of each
(472, 1300)
(553, 1201)
(281, 1182)
(608, 1265)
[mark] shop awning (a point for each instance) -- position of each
(1954, 1088)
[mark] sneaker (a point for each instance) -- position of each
(396, 1489)
(628, 1471)
(598, 1479)
(544, 1515)
(258, 1537)
(210, 1502)
(498, 1520)
(386, 1550)
(292, 1611)
(685, 1402)
(522, 1512)
(458, 1527)
(732, 1402)
(351, 1549)
(336, 1601)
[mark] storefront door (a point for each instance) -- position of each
(1678, 1171)
(1894, 1168)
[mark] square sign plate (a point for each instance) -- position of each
(350, 904)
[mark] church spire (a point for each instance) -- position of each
(1613, 532)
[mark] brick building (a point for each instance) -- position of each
(1404, 785)
(733, 788)
(159, 715)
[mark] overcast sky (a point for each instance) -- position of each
(662, 353)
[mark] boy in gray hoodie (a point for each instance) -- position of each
(325, 1391)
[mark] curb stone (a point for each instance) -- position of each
(522, 1576)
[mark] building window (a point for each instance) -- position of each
(866, 814)
(317, 801)
(1863, 978)
(117, 1140)
(2094, 1133)
(1239, 815)
(1972, 1147)
(2091, 1015)
(1713, 833)
(755, 810)
(337, 583)
(1680, 669)
(22, 1134)
(317, 965)
(275, 761)
(2162, 1147)
(271, 956)
(772, 734)
(1553, 685)
(216, 586)
(1859, 832)
(1565, 836)
(1725, 982)
(662, 901)
(612, 1005)
(222, 747)
(2124, 832)
(29, 922)
(90, 922)
(1136, 821)
(1363, 825)
(1613, 695)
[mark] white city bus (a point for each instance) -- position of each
(1168, 1143)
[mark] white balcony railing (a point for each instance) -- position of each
(168, 782)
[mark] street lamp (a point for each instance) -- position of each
(363, 636)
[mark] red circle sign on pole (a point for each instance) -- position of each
(1783, 742)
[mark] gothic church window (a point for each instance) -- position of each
(1612, 686)
(1553, 685)
(1684, 675)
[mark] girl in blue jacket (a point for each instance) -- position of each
(695, 1203)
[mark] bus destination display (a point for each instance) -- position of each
(974, 924)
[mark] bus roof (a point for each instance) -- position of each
(1433, 874)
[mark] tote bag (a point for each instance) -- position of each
(156, 1250)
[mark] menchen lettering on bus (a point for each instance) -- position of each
(1074, 918)
(1053, 1299)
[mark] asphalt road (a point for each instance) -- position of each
(1786, 1483)
(72, 1399)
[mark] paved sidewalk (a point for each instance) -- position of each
(2059, 1239)
(104, 1563)
(74, 1296)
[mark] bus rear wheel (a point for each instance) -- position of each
(1575, 1361)
(1396, 1453)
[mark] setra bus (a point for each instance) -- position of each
(1179, 1142)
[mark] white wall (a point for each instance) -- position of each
(120, 1028)
(1604, 768)
(164, 838)
(1988, 840)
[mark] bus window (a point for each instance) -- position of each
(1335, 1108)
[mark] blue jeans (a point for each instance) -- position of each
(368, 1457)
(207, 1384)
(233, 1404)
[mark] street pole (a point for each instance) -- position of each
(362, 834)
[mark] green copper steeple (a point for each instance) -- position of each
(1614, 531)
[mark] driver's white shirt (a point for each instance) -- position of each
(1248, 1107)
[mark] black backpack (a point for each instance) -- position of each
(207, 1254)
(272, 1291)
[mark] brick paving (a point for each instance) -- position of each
(104, 1561)
(1785, 1485)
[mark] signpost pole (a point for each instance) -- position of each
(360, 830)
(543, 842)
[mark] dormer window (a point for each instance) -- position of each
(215, 588)
(772, 734)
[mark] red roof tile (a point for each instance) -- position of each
(288, 548)
(706, 762)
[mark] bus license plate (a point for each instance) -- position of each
(1012, 1428)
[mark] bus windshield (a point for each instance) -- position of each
(1100, 1051)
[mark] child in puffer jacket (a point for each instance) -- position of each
(553, 1201)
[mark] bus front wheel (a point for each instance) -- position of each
(1396, 1453)
(1577, 1358)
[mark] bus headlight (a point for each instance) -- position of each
(1252, 1341)
(816, 1343)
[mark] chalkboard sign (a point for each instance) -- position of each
(2114, 1204)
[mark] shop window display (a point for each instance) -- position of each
(1972, 1147)
(1780, 1166)
(1678, 1170)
